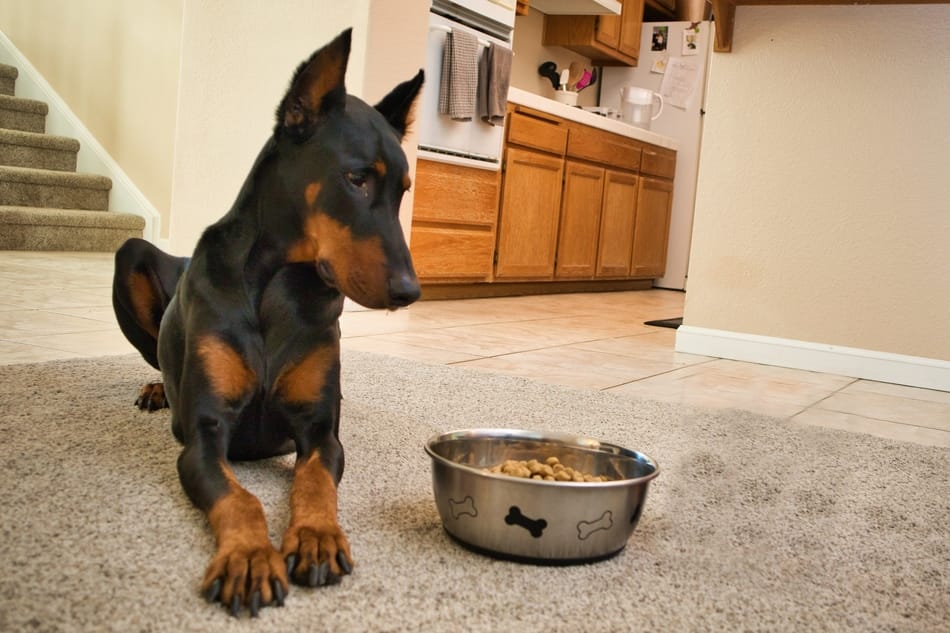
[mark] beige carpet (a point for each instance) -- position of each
(752, 525)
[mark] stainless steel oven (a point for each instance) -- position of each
(472, 143)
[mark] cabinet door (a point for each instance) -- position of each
(617, 224)
(652, 229)
(452, 254)
(527, 228)
(608, 30)
(455, 209)
(631, 25)
(580, 221)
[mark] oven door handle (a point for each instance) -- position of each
(439, 27)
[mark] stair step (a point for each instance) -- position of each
(44, 229)
(8, 75)
(21, 186)
(28, 115)
(41, 151)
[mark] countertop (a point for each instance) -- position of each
(550, 106)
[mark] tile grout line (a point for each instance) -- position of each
(822, 399)
(669, 371)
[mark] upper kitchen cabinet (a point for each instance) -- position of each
(608, 40)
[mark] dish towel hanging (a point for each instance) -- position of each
(459, 76)
(495, 75)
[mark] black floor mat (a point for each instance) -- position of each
(671, 323)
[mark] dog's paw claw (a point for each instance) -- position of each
(278, 590)
(324, 574)
(211, 595)
(236, 605)
(291, 564)
(255, 603)
(343, 562)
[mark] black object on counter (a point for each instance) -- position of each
(549, 70)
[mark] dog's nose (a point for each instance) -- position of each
(403, 290)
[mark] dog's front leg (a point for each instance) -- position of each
(307, 395)
(315, 547)
(246, 569)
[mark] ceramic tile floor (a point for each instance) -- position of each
(58, 306)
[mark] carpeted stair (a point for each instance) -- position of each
(45, 205)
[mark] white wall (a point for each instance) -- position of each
(236, 66)
(823, 204)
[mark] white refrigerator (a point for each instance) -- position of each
(674, 59)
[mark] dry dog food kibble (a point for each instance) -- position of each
(551, 470)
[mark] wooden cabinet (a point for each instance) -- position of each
(609, 40)
(454, 217)
(530, 205)
(579, 227)
(618, 215)
(652, 227)
(575, 207)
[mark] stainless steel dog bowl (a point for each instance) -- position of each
(536, 521)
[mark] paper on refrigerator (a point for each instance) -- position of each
(680, 82)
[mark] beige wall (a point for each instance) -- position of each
(529, 54)
(823, 207)
(236, 66)
(115, 63)
(396, 50)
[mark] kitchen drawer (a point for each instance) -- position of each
(445, 254)
(537, 133)
(603, 147)
(454, 194)
(658, 161)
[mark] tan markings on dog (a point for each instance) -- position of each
(313, 493)
(358, 264)
(313, 529)
(380, 167)
(143, 301)
(406, 182)
(240, 531)
(411, 115)
(303, 382)
(311, 192)
(237, 517)
(229, 375)
(305, 249)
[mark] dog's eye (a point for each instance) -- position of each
(357, 179)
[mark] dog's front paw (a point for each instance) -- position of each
(152, 397)
(316, 556)
(251, 576)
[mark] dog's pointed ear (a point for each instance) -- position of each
(316, 89)
(397, 106)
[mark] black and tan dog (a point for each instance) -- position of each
(246, 332)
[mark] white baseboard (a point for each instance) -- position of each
(92, 157)
(914, 371)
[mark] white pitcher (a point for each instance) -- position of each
(636, 106)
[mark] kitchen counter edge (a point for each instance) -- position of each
(549, 106)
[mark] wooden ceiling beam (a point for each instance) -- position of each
(724, 13)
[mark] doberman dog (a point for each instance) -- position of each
(246, 331)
